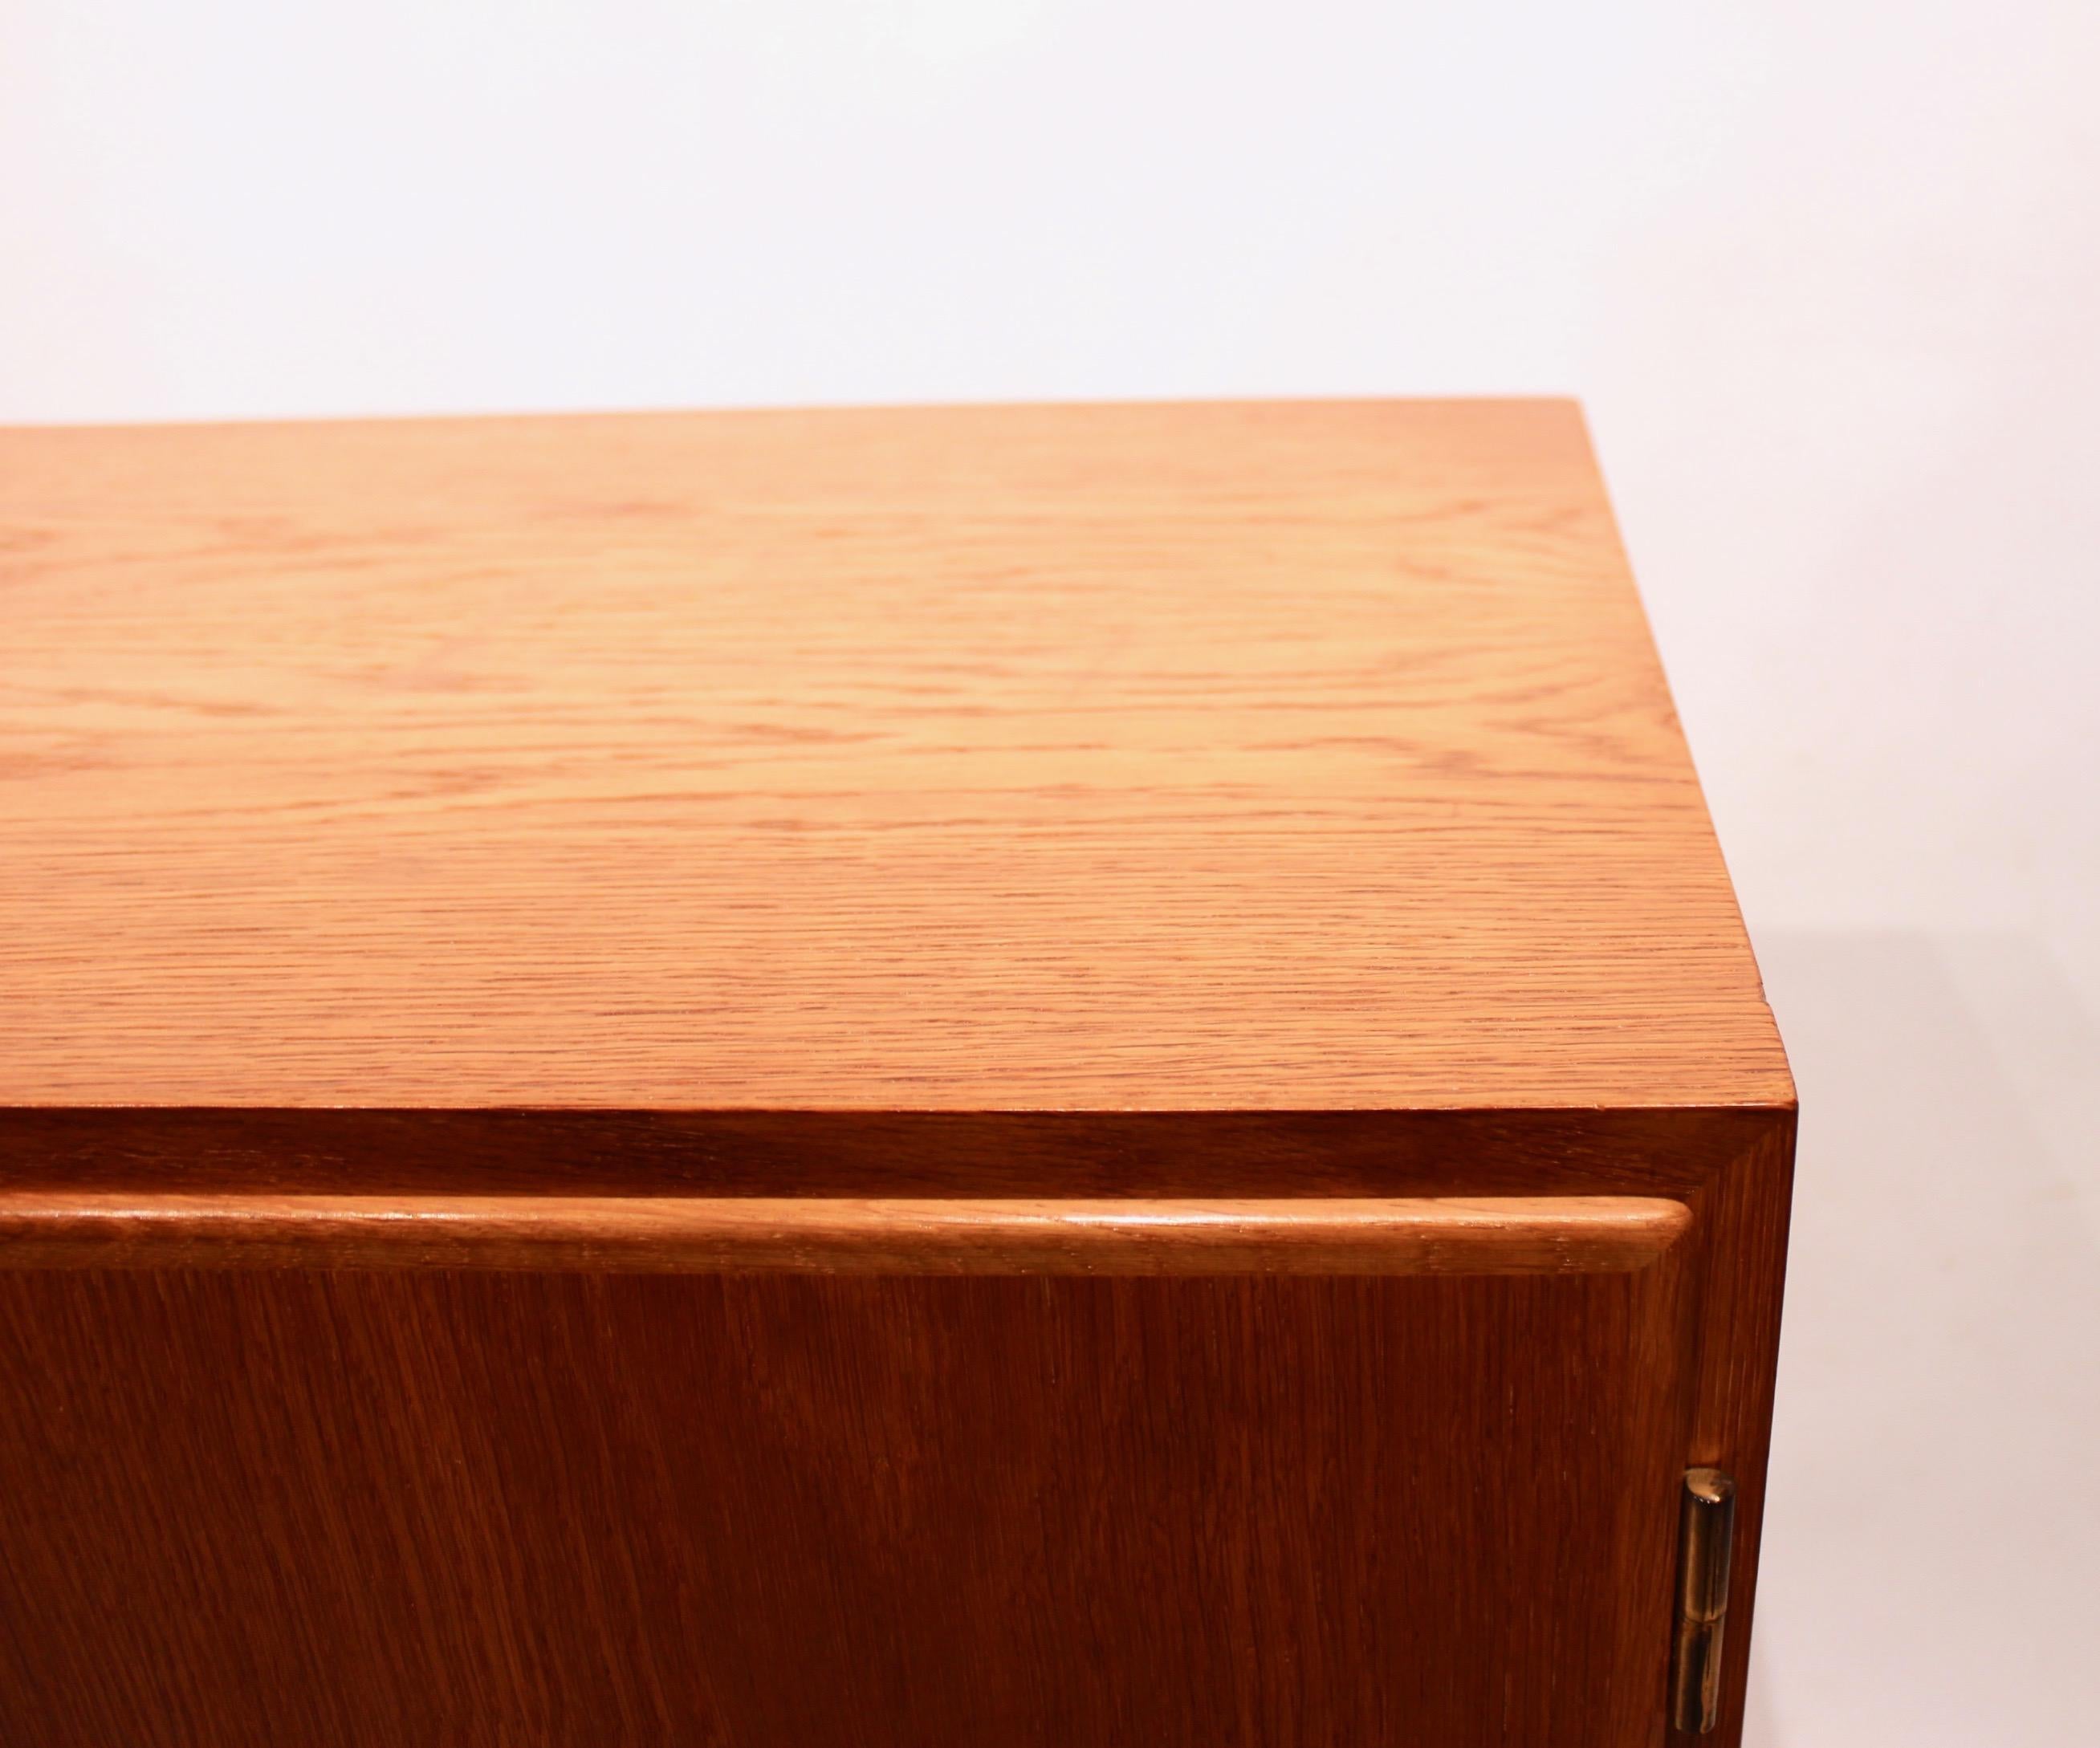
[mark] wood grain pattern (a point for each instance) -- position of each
(1745, 1211)
(149, 1150)
(44, 1228)
(540, 958)
(1305, 756)
(780, 1512)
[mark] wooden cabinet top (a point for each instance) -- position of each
(1261, 757)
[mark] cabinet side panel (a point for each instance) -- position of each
(1739, 1253)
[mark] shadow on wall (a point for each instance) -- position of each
(1932, 1554)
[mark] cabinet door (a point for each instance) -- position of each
(828, 1472)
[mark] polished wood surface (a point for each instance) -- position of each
(782, 1512)
(1305, 756)
(44, 1228)
(583, 998)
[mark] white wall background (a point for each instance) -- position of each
(1827, 274)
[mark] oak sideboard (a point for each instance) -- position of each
(1064, 1076)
